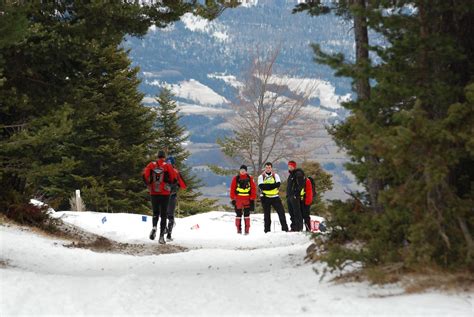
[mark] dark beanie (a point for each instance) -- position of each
(161, 154)
(243, 167)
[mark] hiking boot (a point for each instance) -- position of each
(162, 239)
(168, 237)
(153, 234)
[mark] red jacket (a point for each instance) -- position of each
(308, 189)
(243, 200)
(169, 177)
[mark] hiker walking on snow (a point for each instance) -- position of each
(242, 195)
(159, 176)
(269, 184)
(177, 184)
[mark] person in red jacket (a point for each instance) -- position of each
(159, 176)
(243, 193)
(179, 183)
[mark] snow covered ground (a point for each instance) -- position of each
(222, 274)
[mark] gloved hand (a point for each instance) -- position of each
(233, 202)
(252, 205)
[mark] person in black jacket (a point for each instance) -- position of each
(294, 186)
(269, 184)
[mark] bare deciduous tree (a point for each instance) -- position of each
(269, 120)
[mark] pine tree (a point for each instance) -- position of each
(412, 123)
(111, 131)
(422, 83)
(31, 128)
(69, 73)
(171, 136)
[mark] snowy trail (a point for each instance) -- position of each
(222, 274)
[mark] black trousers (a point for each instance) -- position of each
(159, 204)
(267, 204)
(294, 209)
(170, 210)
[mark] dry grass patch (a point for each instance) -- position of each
(104, 245)
(412, 281)
(437, 279)
(4, 220)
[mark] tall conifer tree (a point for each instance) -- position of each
(171, 136)
(365, 163)
(420, 103)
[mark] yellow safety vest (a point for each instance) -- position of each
(243, 191)
(269, 180)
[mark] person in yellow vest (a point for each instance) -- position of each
(269, 184)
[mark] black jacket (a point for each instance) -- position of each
(296, 182)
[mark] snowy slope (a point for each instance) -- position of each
(222, 274)
(216, 230)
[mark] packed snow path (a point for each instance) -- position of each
(222, 274)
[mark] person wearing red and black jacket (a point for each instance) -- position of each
(177, 184)
(299, 197)
(158, 176)
(243, 193)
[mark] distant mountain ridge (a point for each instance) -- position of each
(194, 48)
